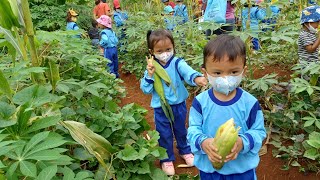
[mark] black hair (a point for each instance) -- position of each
(94, 23)
(222, 45)
(153, 37)
(96, 2)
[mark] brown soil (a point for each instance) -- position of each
(269, 167)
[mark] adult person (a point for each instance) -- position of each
(100, 9)
(221, 12)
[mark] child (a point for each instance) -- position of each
(256, 15)
(180, 10)
(161, 46)
(119, 16)
(71, 20)
(169, 19)
(224, 65)
(101, 8)
(272, 20)
(109, 41)
(94, 33)
(168, 3)
(309, 40)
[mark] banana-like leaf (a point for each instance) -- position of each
(7, 18)
(4, 86)
(11, 39)
(94, 143)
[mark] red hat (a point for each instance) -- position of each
(116, 4)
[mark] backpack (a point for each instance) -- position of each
(216, 11)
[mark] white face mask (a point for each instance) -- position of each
(226, 84)
(165, 56)
(312, 29)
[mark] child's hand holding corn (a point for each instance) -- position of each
(150, 66)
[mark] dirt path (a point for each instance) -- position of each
(269, 167)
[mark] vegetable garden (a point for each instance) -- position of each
(63, 116)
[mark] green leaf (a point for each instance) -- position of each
(309, 123)
(11, 39)
(53, 73)
(45, 155)
(35, 140)
(144, 168)
(52, 141)
(6, 112)
(318, 124)
(83, 175)
(2, 166)
(295, 164)
(68, 174)
(43, 123)
(12, 169)
(314, 143)
(311, 154)
(130, 154)
(92, 90)
(28, 169)
(39, 95)
(4, 85)
(94, 143)
(47, 173)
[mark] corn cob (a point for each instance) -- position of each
(226, 137)
(160, 73)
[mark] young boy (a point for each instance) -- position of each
(224, 65)
(256, 15)
(169, 19)
(180, 10)
(94, 33)
(309, 38)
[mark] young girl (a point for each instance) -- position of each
(71, 20)
(101, 8)
(309, 38)
(109, 41)
(119, 16)
(161, 46)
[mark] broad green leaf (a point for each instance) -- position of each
(309, 123)
(2, 166)
(83, 175)
(47, 173)
(4, 85)
(318, 124)
(39, 95)
(128, 154)
(92, 90)
(35, 140)
(144, 168)
(314, 143)
(82, 154)
(28, 169)
(43, 123)
(52, 141)
(68, 174)
(12, 169)
(94, 143)
(311, 154)
(7, 16)
(63, 160)
(44, 155)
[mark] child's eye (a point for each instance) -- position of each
(235, 72)
(216, 73)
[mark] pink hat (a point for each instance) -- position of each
(105, 20)
(116, 4)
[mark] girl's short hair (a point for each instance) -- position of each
(153, 37)
(69, 16)
(222, 45)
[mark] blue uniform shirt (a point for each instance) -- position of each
(256, 15)
(181, 11)
(120, 18)
(72, 26)
(170, 22)
(207, 114)
(108, 38)
(178, 71)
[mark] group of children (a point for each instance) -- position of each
(101, 34)
(224, 66)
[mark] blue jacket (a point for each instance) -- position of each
(120, 17)
(178, 71)
(208, 113)
(256, 15)
(181, 11)
(108, 38)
